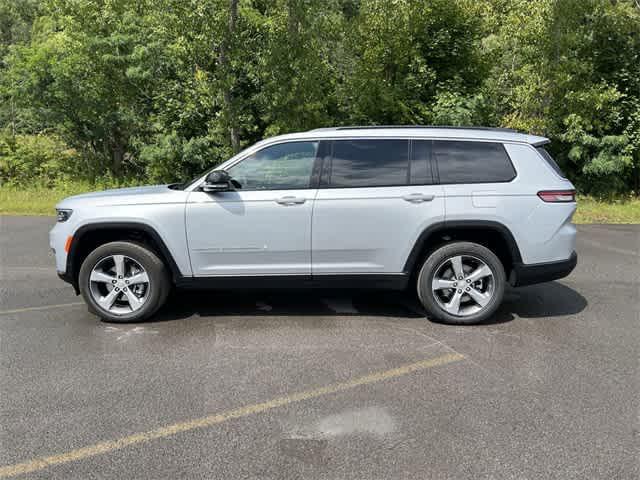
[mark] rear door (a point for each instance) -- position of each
(376, 196)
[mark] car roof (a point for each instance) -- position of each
(411, 131)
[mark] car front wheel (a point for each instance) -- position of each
(461, 283)
(123, 282)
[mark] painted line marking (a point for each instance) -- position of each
(43, 307)
(204, 422)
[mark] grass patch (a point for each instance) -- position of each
(15, 201)
(41, 201)
(619, 210)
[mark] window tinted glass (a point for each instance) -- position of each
(552, 163)
(420, 163)
(472, 162)
(369, 163)
(279, 167)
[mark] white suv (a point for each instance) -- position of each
(454, 213)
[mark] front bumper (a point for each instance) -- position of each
(58, 238)
(524, 274)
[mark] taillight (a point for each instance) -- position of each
(558, 196)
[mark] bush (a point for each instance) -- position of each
(172, 158)
(43, 158)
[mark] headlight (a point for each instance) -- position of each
(63, 214)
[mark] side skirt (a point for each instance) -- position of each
(296, 282)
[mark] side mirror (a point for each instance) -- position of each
(218, 181)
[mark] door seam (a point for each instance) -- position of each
(313, 206)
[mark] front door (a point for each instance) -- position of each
(264, 226)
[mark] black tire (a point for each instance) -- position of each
(159, 281)
(437, 259)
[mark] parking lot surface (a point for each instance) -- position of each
(322, 385)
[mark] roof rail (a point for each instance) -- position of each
(446, 127)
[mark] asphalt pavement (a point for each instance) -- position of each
(322, 385)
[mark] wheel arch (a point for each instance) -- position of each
(90, 236)
(494, 235)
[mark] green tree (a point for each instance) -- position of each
(595, 57)
(16, 20)
(569, 69)
(76, 72)
(404, 55)
(296, 65)
(163, 89)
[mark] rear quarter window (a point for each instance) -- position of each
(549, 159)
(472, 162)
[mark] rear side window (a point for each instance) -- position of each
(369, 163)
(549, 159)
(472, 162)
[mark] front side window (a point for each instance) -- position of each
(286, 166)
(472, 162)
(369, 163)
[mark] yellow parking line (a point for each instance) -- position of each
(43, 307)
(169, 430)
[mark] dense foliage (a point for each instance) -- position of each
(159, 90)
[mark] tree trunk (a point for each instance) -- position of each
(117, 155)
(637, 179)
(117, 146)
(229, 81)
(13, 119)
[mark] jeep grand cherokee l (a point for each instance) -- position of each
(452, 213)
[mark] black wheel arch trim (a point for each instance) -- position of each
(421, 242)
(72, 269)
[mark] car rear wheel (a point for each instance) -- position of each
(124, 282)
(461, 283)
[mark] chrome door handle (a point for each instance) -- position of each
(291, 200)
(418, 197)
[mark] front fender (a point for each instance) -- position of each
(120, 230)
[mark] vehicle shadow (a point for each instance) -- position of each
(294, 303)
(550, 299)
(545, 300)
(537, 301)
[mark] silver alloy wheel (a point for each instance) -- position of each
(119, 284)
(463, 285)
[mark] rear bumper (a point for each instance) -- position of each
(542, 272)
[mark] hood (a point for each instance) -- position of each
(125, 196)
(119, 192)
